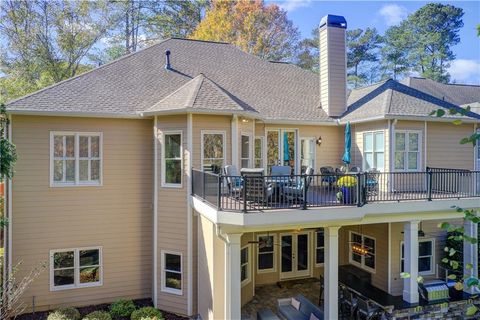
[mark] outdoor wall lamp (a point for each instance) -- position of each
(319, 140)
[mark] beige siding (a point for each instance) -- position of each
(442, 139)
(46, 218)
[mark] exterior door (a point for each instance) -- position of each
(282, 148)
(294, 255)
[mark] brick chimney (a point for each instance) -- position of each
(333, 65)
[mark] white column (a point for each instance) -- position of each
(234, 135)
(331, 273)
(470, 254)
(233, 288)
(410, 285)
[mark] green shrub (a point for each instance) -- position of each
(98, 315)
(147, 313)
(122, 308)
(64, 314)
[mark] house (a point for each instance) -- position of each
(119, 183)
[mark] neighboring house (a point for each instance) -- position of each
(113, 185)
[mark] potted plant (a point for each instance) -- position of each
(348, 194)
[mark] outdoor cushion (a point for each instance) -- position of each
(313, 317)
(296, 303)
(290, 313)
(281, 170)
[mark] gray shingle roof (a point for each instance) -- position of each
(138, 81)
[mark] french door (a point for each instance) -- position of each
(294, 255)
(282, 148)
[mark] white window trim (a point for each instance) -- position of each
(407, 150)
(314, 151)
(163, 168)
(224, 135)
(274, 269)
(164, 288)
(432, 257)
(249, 265)
(262, 151)
(364, 161)
(77, 182)
(316, 248)
(244, 134)
(362, 264)
(76, 261)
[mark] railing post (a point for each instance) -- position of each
(304, 204)
(219, 189)
(193, 185)
(204, 176)
(244, 191)
(359, 188)
(429, 184)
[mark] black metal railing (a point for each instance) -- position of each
(249, 192)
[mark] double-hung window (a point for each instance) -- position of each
(258, 152)
(266, 253)
(245, 258)
(172, 159)
(213, 150)
(426, 262)
(407, 151)
(366, 259)
(75, 268)
(245, 151)
(76, 158)
(172, 272)
(374, 150)
(320, 247)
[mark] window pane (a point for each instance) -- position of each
(244, 256)
(89, 257)
(172, 146)
(367, 142)
(370, 261)
(91, 274)
(258, 148)
(95, 147)
(58, 146)
(245, 147)
(399, 160)
(399, 141)
(379, 142)
(213, 146)
(265, 261)
(58, 170)
(63, 259)
(173, 280)
(173, 171)
(357, 258)
(320, 255)
(356, 238)
(70, 146)
(83, 147)
(172, 262)
(95, 170)
(412, 160)
(272, 148)
(83, 170)
(424, 264)
(380, 160)
(425, 248)
(265, 244)
(63, 277)
(369, 160)
(70, 172)
(413, 141)
(244, 273)
(258, 163)
(245, 163)
(320, 239)
(369, 244)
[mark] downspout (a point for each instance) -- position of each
(9, 209)
(425, 146)
(155, 211)
(391, 125)
(189, 212)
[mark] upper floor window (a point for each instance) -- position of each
(258, 152)
(75, 268)
(374, 150)
(213, 150)
(407, 151)
(76, 158)
(245, 151)
(172, 159)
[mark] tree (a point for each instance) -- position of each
(308, 52)
(434, 29)
(395, 53)
(362, 47)
(8, 154)
(256, 28)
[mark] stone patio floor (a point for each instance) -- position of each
(266, 296)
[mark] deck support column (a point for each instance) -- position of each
(410, 285)
(331, 273)
(470, 255)
(233, 288)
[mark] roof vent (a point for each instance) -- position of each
(167, 60)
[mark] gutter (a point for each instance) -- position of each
(75, 114)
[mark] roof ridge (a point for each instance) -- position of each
(221, 91)
(88, 72)
(373, 84)
(199, 40)
(388, 101)
(195, 92)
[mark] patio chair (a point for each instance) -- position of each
(371, 182)
(234, 181)
(295, 191)
(328, 175)
(355, 169)
(280, 171)
(348, 301)
(366, 310)
(256, 188)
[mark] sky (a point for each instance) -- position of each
(306, 15)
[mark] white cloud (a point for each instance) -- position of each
(393, 14)
(291, 5)
(465, 71)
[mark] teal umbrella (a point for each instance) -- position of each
(348, 144)
(286, 148)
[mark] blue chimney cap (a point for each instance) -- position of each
(334, 21)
